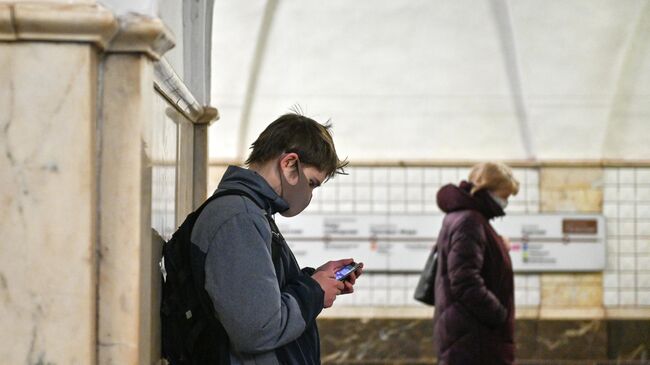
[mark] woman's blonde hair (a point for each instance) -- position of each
(493, 176)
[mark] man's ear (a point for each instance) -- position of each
(289, 167)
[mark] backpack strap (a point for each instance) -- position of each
(275, 231)
(276, 241)
(221, 193)
(276, 236)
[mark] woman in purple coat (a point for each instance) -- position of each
(474, 309)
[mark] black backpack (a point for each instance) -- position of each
(191, 334)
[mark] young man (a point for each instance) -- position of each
(265, 302)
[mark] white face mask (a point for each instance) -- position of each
(503, 203)
(297, 196)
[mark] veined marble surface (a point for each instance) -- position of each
(47, 211)
(124, 230)
(410, 341)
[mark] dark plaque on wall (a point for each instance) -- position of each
(580, 226)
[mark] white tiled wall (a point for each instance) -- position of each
(383, 190)
(412, 190)
(626, 205)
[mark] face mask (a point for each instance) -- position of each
(297, 196)
(503, 203)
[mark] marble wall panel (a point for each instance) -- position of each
(629, 339)
(562, 340)
(578, 190)
(410, 341)
(125, 238)
(571, 290)
(351, 341)
(571, 189)
(47, 203)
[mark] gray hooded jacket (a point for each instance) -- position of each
(268, 312)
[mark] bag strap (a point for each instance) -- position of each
(275, 231)
(227, 192)
(276, 241)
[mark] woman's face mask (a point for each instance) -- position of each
(298, 196)
(503, 203)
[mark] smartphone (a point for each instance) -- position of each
(346, 271)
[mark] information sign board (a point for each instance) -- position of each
(401, 243)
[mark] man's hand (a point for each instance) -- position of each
(350, 280)
(327, 281)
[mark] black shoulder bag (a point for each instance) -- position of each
(425, 290)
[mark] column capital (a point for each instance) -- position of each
(142, 34)
(86, 23)
(89, 23)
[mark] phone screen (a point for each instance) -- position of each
(346, 270)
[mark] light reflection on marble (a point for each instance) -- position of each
(164, 157)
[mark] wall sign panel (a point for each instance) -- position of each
(401, 243)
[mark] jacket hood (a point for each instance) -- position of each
(249, 181)
(452, 198)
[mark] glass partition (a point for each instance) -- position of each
(164, 167)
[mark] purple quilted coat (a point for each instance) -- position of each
(474, 312)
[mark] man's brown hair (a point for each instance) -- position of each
(304, 136)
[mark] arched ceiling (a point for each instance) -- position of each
(417, 80)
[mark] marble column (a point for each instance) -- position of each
(127, 306)
(48, 175)
(77, 264)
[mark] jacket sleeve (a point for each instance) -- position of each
(464, 263)
(241, 281)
